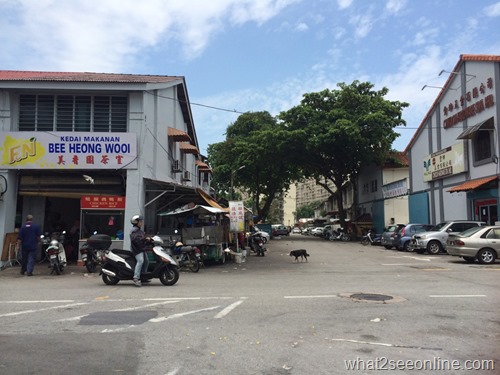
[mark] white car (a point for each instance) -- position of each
(265, 235)
(479, 243)
(318, 231)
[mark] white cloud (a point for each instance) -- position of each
(109, 35)
(302, 27)
(395, 6)
(492, 10)
(343, 4)
(363, 25)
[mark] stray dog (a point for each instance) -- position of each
(299, 253)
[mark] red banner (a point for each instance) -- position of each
(102, 202)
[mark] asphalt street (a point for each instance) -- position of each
(349, 309)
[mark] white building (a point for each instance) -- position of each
(454, 153)
(97, 148)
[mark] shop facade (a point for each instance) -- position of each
(90, 150)
(454, 154)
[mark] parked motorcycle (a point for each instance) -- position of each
(93, 251)
(257, 244)
(372, 238)
(340, 235)
(56, 256)
(186, 256)
(120, 265)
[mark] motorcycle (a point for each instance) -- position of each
(340, 235)
(371, 238)
(120, 264)
(93, 251)
(56, 256)
(257, 244)
(186, 256)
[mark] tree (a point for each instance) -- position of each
(342, 129)
(257, 142)
(306, 211)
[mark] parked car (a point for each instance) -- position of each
(280, 230)
(296, 230)
(478, 243)
(317, 231)
(403, 236)
(434, 241)
(265, 236)
(389, 235)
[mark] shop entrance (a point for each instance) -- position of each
(487, 210)
(63, 214)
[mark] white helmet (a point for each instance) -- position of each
(179, 244)
(136, 218)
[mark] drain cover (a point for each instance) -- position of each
(371, 297)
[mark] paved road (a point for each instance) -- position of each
(268, 315)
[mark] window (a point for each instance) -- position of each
(482, 143)
(374, 186)
(73, 113)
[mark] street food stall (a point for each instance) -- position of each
(204, 227)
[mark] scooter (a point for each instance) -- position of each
(120, 265)
(93, 251)
(340, 235)
(371, 238)
(186, 256)
(57, 257)
(257, 244)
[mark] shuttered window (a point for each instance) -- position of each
(73, 113)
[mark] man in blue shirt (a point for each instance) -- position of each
(28, 238)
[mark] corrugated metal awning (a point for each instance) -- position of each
(469, 132)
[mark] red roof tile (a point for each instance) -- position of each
(16, 75)
(472, 184)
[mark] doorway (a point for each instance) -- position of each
(487, 210)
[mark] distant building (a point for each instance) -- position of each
(454, 153)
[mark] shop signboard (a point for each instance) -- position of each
(236, 216)
(67, 150)
(446, 162)
(102, 202)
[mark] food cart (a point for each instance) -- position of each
(204, 227)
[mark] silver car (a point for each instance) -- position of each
(479, 243)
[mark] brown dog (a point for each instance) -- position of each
(299, 253)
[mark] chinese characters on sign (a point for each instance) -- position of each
(446, 162)
(73, 150)
(102, 202)
(463, 108)
(236, 216)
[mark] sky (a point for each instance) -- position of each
(256, 55)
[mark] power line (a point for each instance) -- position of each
(196, 104)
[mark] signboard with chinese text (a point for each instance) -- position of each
(102, 202)
(446, 162)
(236, 216)
(67, 150)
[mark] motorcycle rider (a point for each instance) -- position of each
(138, 242)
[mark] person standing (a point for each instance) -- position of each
(138, 243)
(28, 239)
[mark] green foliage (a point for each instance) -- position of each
(257, 142)
(306, 211)
(342, 130)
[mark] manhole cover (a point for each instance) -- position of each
(371, 297)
